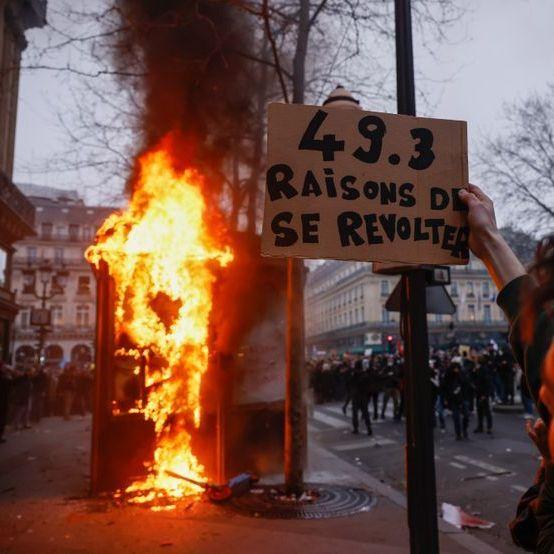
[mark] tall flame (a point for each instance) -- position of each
(160, 252)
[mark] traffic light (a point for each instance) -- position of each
(390, 344)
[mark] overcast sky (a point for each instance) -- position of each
(500, 51)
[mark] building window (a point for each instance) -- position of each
(438, 318)
(384, 288)
(61, 231)
(454, 289)
(29, 282)
(470, 290)
(46, 231)
(73, 232)
(87, 233)
(357, 315)
(83, 284)
(57, 315)
(487, 313)
(83, 316)
(58, 255)
(486, 289)
(361, 292)
(3, 268)
(24, 318)
(31, 254)
(385, 316)
(56, 287)
(471, 312)
(363, 314)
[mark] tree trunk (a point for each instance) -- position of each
(236, 196)
(253, 185)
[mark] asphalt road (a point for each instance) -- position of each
(485, 474)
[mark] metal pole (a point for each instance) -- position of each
(294, 406)
(420, 456)
(295, 437)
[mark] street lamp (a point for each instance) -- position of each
(42, 317)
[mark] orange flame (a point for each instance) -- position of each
(160, 247)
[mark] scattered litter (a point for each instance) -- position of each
(257, 491)
(460, 519)
(18, 516)
(491, 475)
(508, 449)
(31, 458)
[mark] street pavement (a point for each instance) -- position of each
(45, 508)
(485, 474)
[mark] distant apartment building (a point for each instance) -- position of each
(16, 212)
(345, 309)
(64, 228)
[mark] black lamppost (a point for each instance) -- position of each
(42, 317)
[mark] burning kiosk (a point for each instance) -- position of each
(190, 351)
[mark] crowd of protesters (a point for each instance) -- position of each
(463, 382)
(29, 393)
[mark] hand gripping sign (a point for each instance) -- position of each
(356, 185)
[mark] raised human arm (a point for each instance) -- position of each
(486, 242)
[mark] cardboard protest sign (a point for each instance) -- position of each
(355, 185)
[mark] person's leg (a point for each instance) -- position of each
(488, 414)
(364, 406)
(375, 400)
(440, 410)
(511, 391)
(465, 418)
(355, 407)
(67, 403)
(346, 401)
(480, 415)
(386, 395)
(456, 419)
(396, 404)
(18, 416)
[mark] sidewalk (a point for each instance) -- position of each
(43, 483)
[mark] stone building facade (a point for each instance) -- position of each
(345, 309)
(64, 227)
(16, 212)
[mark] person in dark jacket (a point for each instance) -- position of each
(21, 398)
(6, 378)
(360, 388)
(456, 394)
(483, 387)
(66, 387)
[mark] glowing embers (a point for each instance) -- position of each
(160, 253)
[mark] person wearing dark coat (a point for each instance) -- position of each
(483, 387)
(21, 398)
(6, 378)
(456, 395)
(360, 389)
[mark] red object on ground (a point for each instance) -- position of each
(460, 519)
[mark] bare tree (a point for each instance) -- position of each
(519, 163)
(102, 125)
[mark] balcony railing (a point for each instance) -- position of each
(23, 261)
(63, 237)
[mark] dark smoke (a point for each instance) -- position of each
(196, 81)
